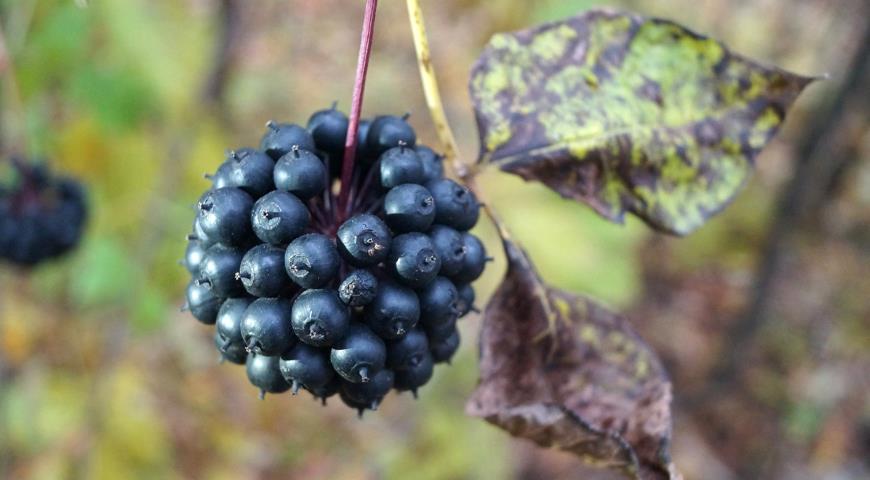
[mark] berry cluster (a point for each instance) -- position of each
(41, 216)
(353, 299)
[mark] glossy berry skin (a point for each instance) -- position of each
(263, 373)
(266, 327)
(416, 376)
(224, 215)
(407, 352)
(262, 271)
(229, 328)
(319, 318)
(200, 236)
(466, 298)
(230, 352)
(359, 356)
(364, 240)
(413, 260)
(358, 289)
(193, 256)
(202, 302)
(393, 312)
(312, 260)
(329, 130)
(280, 138)
(301, 173)
(433, 167)
(388, 131)
(400, 165)
(443, 350)
(306, 366)
(455, 205)
(409, 208)
(438, 303)
(327, 390)
(218, 270)
(474, 262)
(248, 169)
(450, 248)
(279, 217)
(370, 393)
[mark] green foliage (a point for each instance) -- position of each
(628, 114)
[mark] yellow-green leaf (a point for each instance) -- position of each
(628, 114)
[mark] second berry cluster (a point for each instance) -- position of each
(352, 296)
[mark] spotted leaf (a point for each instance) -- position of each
(628, 114)
(562, 371)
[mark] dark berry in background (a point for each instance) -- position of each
(42, 215)
(350, 300)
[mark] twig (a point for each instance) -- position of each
(7, 72)
(230, 24)
(365, 51)
(431, 90)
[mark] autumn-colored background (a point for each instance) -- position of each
(761, 317)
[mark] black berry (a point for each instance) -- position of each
(218, 270)
(358, 289)
(409, 208)
(262, 272)
(279, 217)
(202, 302)
(263, 373)
(266, 328)
(455, 205)
(433, 167)
(416, 376)
(224, 215)
(393, 312)
(400, 165)
(409, 351)
(413, 260)
(474, 261)
(359, 356)
(312, 260)
(364, 240)
(319, 317)
(450, 248)
(388, 131)
(280, 138)
(301, 173)
(248, 169)
(229, 329)
(438, 303)
(442, 351)
(329, 130)
(306, 366)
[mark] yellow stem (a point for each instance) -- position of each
(431, 90)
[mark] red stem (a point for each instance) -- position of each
(365, 51)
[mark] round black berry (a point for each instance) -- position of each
(329, 129)
(200, 236)
(442, 351)
(474, 262)
(466, 298)
(224, 215)
(306, 366)
(312, 260)
(438, 303)
(409, 208)
(359, 356)
(319, 317)
(416, 376)
(433, 166)
(263, 373)
(301, 173)
(230, 352)
(409, 351)
(202, 302)
(327, 390)
(280, 138)
(393, 312)
(388, 131)
(262, 271)
(266, 326)
(364, 240)
(358, 288)
(400, 165)
(193, 256)
(279, 217)
(449, 247)
(248, 169)
(413, 260)
(370, 393)
(219, 268)
(455, 205)
(229, 329)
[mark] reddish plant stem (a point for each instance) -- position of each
(365, 51)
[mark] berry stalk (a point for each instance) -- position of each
(365, 50)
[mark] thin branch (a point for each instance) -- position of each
(431, 90)
(365, 52)
(230, 29)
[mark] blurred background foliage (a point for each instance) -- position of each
(761, 317)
